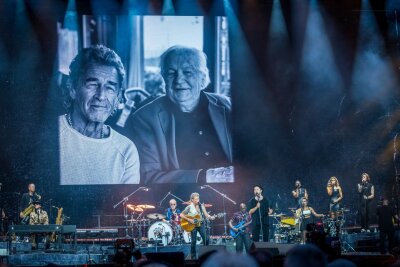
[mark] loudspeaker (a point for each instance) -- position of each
(173, 258)
(274, 249)
(205, 249)
(124, 244)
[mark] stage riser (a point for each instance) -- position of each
(23, 255)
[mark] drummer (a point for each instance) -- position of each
(173, 213)
(305, 215)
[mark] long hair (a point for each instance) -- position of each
(336, 179)
(366, 175)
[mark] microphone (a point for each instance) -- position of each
(279, 196)
(145, 188)
(203, 186)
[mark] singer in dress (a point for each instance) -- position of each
(366, 195)
(299, 193)
(336, 195)
(259, 209)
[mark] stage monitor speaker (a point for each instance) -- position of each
(205, 249)
(274, 248)
(172, 258)
(124, 244)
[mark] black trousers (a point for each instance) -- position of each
(364, 213)
(243, 239)
(257, 230)
(382, 238)
(193, 237)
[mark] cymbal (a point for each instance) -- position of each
(156, 216)
(208, 205)
(134, 208)
(146, 206)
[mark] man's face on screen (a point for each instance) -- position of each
(96, 93)
(183, 80)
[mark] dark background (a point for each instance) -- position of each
(314, 100)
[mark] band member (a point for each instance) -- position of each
(335, 192)
(305, 216)
(38, 217)
(299, 193)
(259, 210)
(193, 209)
(173, 213)
(239, 224)
(367, 193)
(27, 199)
(386, 216)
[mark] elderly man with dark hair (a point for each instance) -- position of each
(90, 151)
(184, 137)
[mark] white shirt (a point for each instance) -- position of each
(86, 160)
(191, 210)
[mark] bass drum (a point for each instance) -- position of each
(160, 231)
(188, 239)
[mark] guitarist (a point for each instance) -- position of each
(28, 199)
(196, 209)
(238, 224)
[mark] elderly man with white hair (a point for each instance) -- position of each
(185, 136)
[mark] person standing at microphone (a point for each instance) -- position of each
(259, 209)
(26, 200)
(367, 193)
(299, 193)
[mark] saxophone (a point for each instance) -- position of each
(27, 211)
(59, 221)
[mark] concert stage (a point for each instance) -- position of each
(103, 254)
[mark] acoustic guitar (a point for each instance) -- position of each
(188, 227)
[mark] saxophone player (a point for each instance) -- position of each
(26, 204)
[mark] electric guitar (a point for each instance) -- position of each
(240, 228)
(188, 227)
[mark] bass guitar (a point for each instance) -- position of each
(240, 227)
(188, 227)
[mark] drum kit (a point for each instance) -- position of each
(287, 228)
(159, 231)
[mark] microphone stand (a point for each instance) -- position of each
(259, 215)
(224, 196)
(124, 200)
(169, 194)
